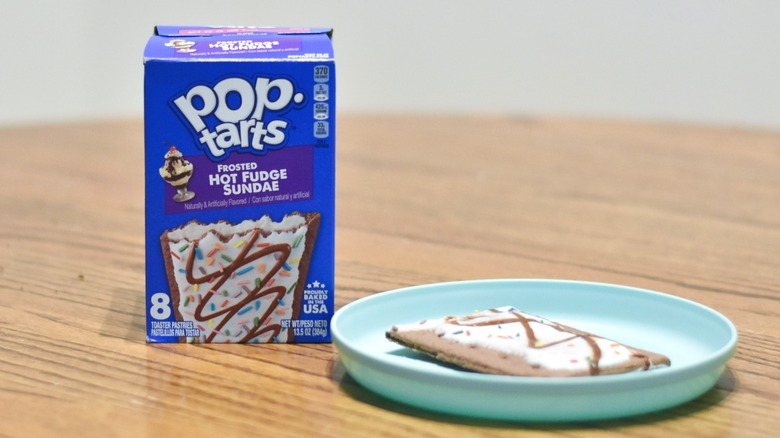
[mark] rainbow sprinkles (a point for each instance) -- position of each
(239, 283)
(508, 341)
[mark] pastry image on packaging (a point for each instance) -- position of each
(237, 283)
(510, 342)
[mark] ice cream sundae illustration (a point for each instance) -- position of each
(182, 46)
(177, 172)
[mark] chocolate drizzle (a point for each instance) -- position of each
(220, 277)
(645, 358)
(593, 360)
(171, 166)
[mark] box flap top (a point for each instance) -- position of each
(191, 31)
(215, 43)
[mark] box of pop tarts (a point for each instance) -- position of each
(240, 184)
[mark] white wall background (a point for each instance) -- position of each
(700, 61)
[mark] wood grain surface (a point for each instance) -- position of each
(687, 210)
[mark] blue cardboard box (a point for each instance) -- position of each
(240, 184)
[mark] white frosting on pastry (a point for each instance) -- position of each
(240, 286)
(540, 342)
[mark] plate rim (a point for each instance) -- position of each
(714, 360)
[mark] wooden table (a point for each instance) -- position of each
(690, 211)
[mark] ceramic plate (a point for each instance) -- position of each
(698, 340)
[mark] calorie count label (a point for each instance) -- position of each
(321, 108)
(321, 73)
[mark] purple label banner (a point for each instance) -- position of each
(242, 180)
(238, 46)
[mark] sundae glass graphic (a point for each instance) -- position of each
(183, 46)
(177, 172)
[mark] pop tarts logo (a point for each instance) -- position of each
(236, 114)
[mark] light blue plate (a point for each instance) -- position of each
(698, 340)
